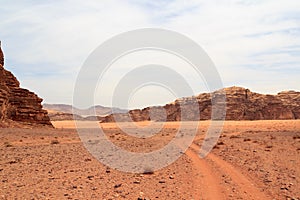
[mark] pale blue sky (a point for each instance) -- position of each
(255, 44)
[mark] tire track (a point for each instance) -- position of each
(246, 187)
(207, 185)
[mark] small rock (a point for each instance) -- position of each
(293, 176)
(141, 196)
(136, 182)
(284, 188)
(171, 177)
(118, 185)
(116, 195)
(162, 181)
(267, 181)
(90, 177)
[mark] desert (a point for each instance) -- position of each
(146, 100)
(252, 160)
(256, 155)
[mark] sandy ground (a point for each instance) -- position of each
(252, 160)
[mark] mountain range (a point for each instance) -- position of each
(58, 112)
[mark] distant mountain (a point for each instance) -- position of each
(241, 104)
(64, 112)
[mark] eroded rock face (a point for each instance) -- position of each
(19, 107)
(1, 57)
(241, 104)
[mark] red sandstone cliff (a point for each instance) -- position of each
(19, 107)
(241, 104)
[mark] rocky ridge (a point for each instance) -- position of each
(19, 107)
(62, 112)
(241, 104)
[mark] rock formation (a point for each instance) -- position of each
(19, 107)
(1, 57)
(241, 104)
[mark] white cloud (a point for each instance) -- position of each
(253, 43)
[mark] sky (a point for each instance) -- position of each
(253, 43)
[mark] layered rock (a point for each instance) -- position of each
(19, 107)
(240, 104)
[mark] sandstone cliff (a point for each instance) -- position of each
(19, 107)
(241, 104)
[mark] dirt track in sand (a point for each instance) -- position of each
(212, 190)
(252, 160)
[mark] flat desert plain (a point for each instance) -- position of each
(252, 160)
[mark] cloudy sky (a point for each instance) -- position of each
(253, 43)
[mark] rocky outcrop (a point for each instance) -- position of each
(241, 104)
(1, 57)
(19, 107)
